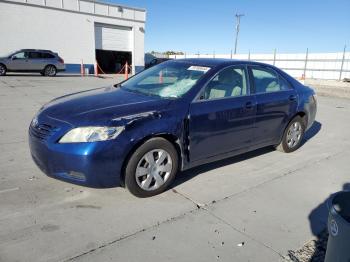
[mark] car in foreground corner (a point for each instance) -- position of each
(45, 62)
(142, 132)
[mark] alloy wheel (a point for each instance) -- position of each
(294, 134)
(50, 71)
(2, 70)
(154, 169)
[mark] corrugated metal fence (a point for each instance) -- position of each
(299, 65)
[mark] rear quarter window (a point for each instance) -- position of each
(47, 55)
(285, 85)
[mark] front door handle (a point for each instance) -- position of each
(292, 97)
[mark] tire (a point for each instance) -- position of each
(2, 70)
(50, 70)
(293, 136)
(144, 177)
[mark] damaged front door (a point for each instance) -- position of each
(221, 121)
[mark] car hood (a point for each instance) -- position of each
(101, 106)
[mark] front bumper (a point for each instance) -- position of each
(95, 164)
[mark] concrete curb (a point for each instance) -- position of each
(331, 88)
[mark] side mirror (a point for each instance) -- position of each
(13, 58)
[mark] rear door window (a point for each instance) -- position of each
(267, 80)
(34, 55)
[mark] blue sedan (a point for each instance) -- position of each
(174, 116)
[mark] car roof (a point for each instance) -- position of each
(37, 50)
(214, 62)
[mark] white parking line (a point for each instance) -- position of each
(9, 190)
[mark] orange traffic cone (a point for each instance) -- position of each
(95, 69)
(82, 68)
(126, 73)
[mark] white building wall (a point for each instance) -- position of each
(70, 33)
(139, 58)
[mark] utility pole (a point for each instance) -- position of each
(342, 64)
(238, 18)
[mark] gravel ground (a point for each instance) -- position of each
(312, 251)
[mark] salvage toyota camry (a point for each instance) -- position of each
(174, 116)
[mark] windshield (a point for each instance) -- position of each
(169, 80)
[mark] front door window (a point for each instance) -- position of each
(229, 82)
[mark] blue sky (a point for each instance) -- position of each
(289, 26)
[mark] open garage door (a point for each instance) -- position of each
(113, 47)
(112, 62)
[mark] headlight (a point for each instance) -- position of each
(91, 134)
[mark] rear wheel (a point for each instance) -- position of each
(2, 70)
(50, 70)
(293, 136)
(151, 168)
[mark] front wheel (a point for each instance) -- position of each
(50, 70)
(2, 70)
(293, 136)
(151, 168)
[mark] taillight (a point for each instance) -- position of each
(61, 60)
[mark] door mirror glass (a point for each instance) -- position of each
(229, 82)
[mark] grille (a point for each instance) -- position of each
(41, 131)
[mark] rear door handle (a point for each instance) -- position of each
(249, 105)
(292, 97)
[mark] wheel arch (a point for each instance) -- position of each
(49, 65)
(301, 114)
(6, 70)
(173, 139)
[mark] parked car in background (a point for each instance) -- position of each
(45, 62)
(141, 132)
(156, 61)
